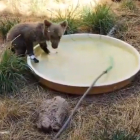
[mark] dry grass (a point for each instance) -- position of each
(6, 24)
(128, 4)
(119, 110)
(42, 7)
(116, 111)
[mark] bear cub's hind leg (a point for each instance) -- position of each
(19, 47)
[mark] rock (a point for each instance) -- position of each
(52, 114)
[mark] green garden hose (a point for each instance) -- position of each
(88, 90)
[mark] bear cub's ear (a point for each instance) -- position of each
(47, 23)
(64, 24)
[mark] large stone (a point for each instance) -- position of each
(52, 114)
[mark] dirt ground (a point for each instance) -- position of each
(120, 109)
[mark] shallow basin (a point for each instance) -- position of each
(80, 58)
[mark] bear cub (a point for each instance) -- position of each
(24, 36)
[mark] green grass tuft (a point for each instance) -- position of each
(6, 24)
(128, 4)
(121, 135)
(72, 25)
(73, 18)
(101, 20)
(12, 72)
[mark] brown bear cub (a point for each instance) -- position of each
(24, 36)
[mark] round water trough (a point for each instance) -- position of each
(81, 58)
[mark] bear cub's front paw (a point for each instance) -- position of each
(36, 60)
